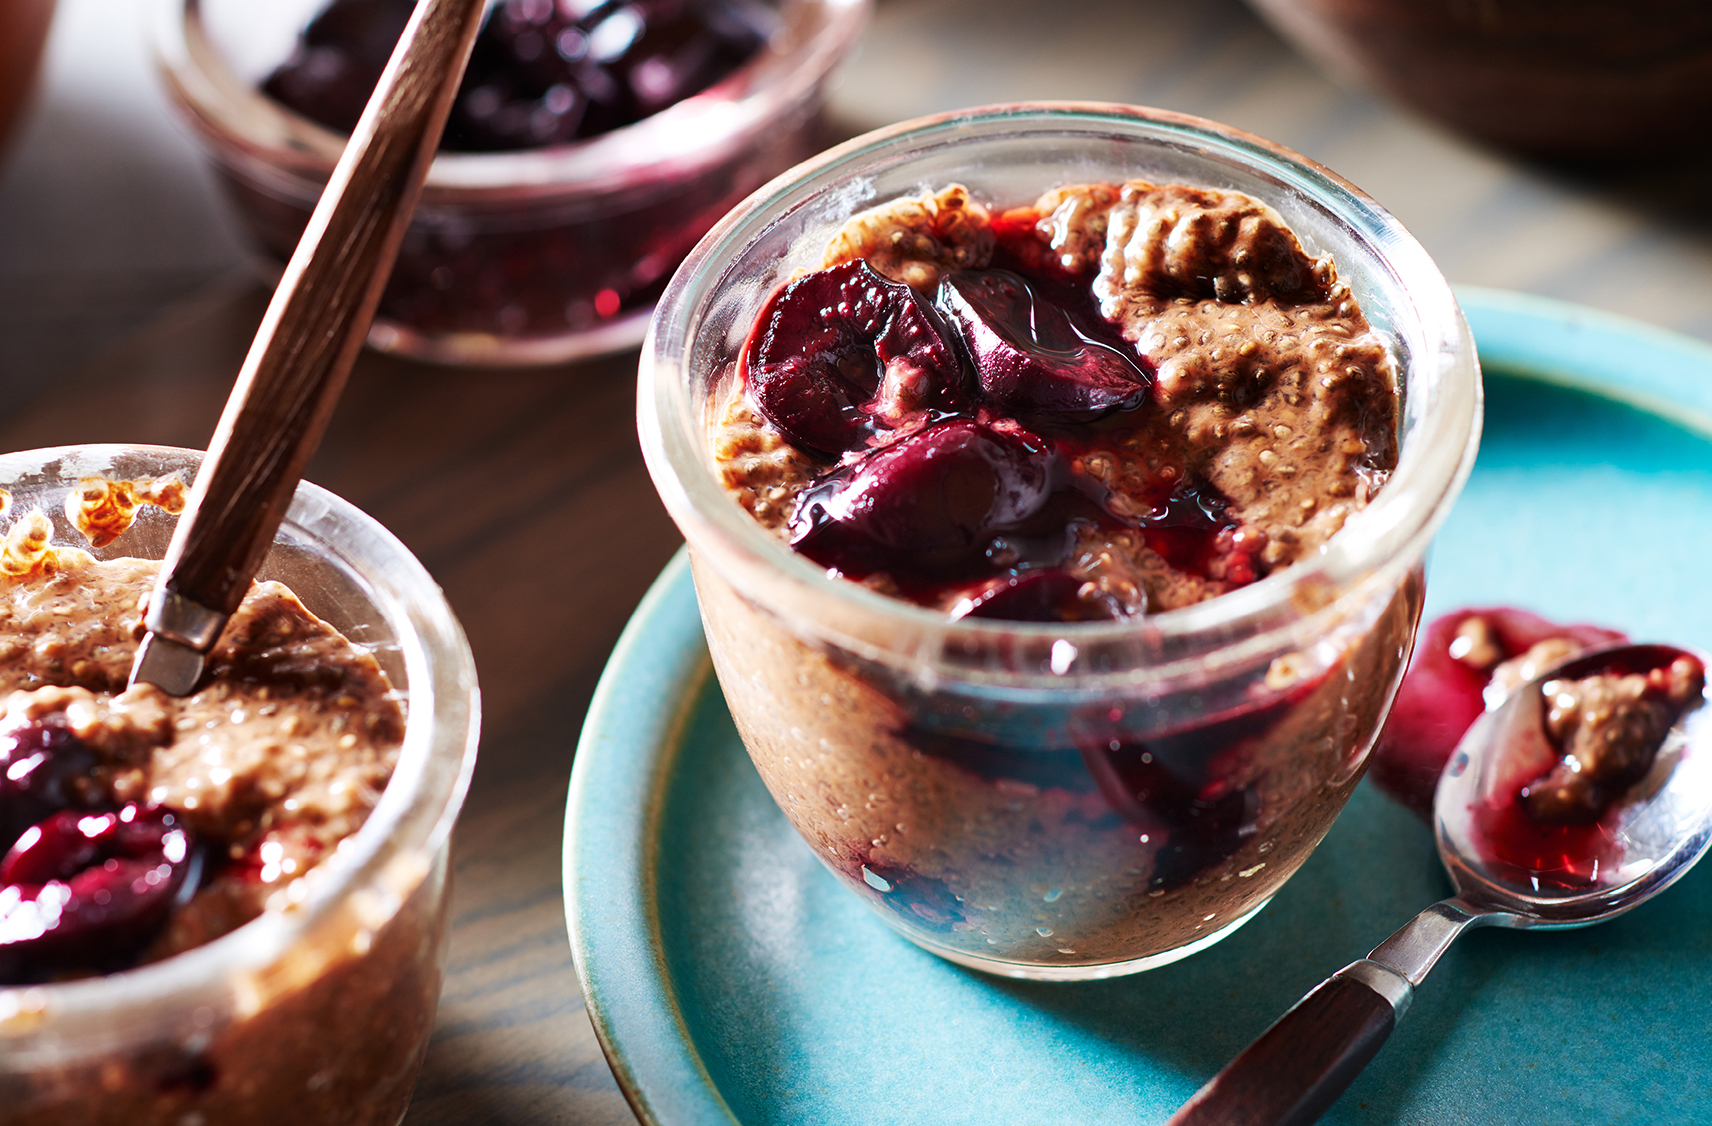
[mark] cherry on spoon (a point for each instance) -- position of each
(1648, 839)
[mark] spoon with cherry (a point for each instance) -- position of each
(1584, 794)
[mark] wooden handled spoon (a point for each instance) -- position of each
(297, 366)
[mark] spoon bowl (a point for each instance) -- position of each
(1662, 825)
(1581, 874)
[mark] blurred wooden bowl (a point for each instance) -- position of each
(1561, 79)
(23, 31)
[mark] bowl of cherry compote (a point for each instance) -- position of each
(590, 145)
(1056, 530)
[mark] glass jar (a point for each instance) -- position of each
(1059, 800)
(321, 1012)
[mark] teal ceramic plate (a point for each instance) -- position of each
(731, 979)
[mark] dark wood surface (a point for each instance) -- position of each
(125, 314)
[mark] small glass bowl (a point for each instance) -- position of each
(1079, 800)
(316, 1014)
(529, 257)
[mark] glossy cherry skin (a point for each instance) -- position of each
(87, 891)
(44, 768)
(929, 504)
(541, 73)
(1030, 358)
(839, 354)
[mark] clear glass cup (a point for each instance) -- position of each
(1079, 800)
(529, 257)
(316, 1014)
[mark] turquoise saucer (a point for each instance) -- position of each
(731, 979)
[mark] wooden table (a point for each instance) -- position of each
(124, 313)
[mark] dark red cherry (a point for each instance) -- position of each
(838, 353)
(1177, 787)
(88, 891)
(927, 504)
(44, 768)
(541, 73)
(338, 60)
(1443, 693)
(1029, 356)
(1045, 595)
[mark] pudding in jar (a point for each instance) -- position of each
(1055, 678)
(228, 906)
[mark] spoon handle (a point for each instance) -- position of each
(303, 351)
(1299, 1066)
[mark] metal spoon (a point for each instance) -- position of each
(1299, 1066)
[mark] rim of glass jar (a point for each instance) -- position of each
(368, 879)
(234, 115)
(1189, 644)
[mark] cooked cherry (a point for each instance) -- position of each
(1443, 692)
(44, 768)
(929, 504)
(541, 73)
(88, 891)
(1045, 595)
(1178, 788)
(1030, 357)
(339, 59)
(838, 353)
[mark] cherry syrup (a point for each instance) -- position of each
(1565, 857)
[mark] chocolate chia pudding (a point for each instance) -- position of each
(137, 828)
(1223, 410)
(1017, 565)
(1239, 410)
(1609, 727)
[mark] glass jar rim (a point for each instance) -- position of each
(380, 864)
(1395, 525)
(231, 113)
